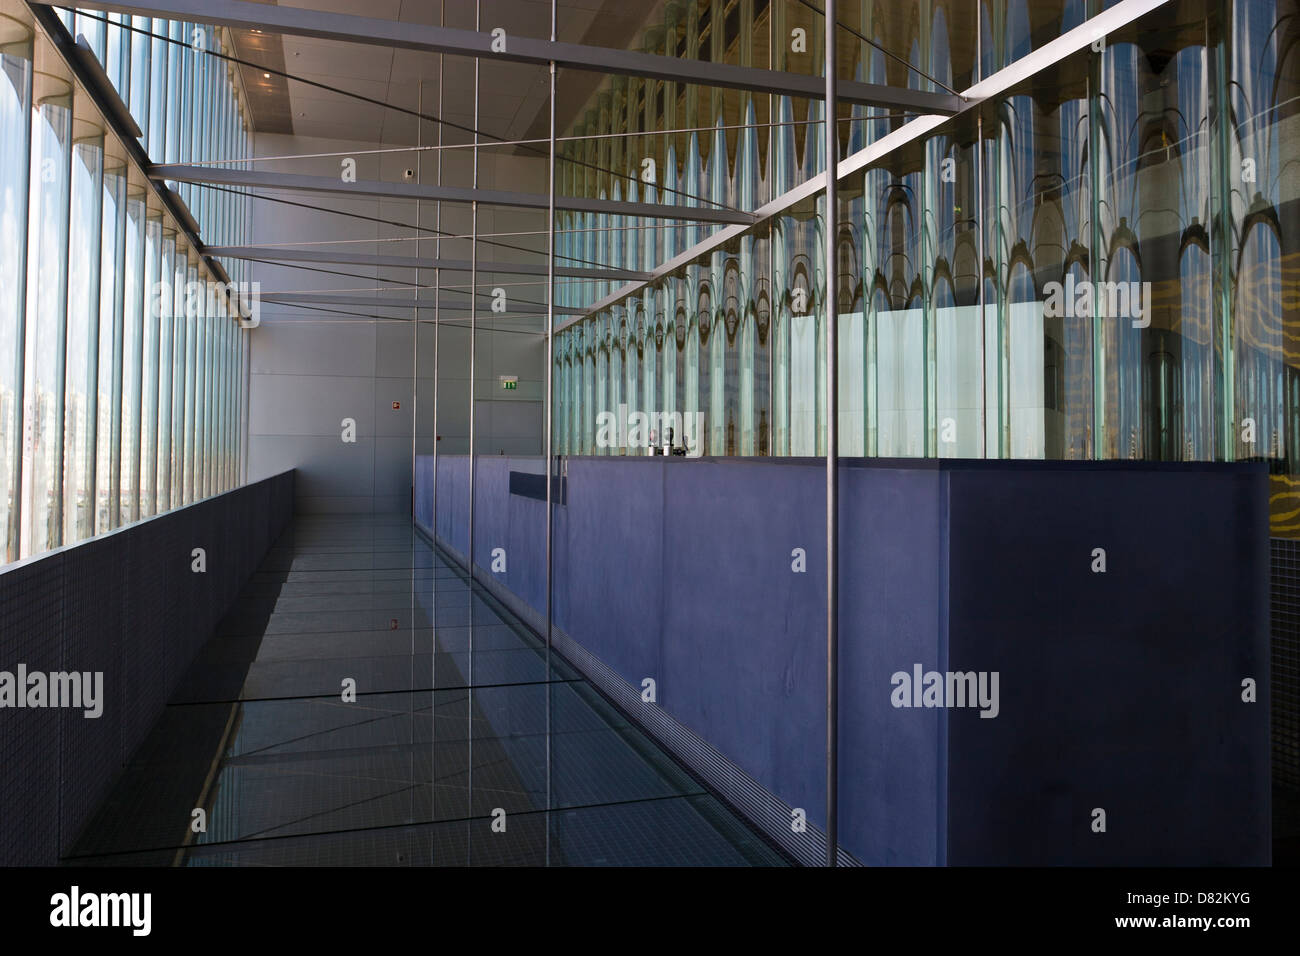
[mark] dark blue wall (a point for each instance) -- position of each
(1119, 690)
(126, 603)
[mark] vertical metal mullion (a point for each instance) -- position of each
(980, 300)
(415, 419)
(246, 349)
(473, 316)
(433, 507)
(437, 295)
(473, 350)
(832, 473)
(1094, 259)
(550, 420)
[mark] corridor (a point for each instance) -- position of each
(459, 736)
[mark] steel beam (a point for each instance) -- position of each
(258, 179)
(370, 302)
(287, 254)
(293, 21)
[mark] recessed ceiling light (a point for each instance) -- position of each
(267, 75)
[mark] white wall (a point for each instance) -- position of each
(311, 368)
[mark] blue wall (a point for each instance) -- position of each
(1119, 690)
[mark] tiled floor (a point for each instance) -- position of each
(464, 744)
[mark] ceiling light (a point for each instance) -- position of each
(266, 75)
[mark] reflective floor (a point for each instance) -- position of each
(462, 746)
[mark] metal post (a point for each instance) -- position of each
(415, 321)
(981, 298)
(415, 420)
(473, 327)
(832, 474)
(433, 512)
(473, 348)
(550, 421)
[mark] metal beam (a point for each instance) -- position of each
(370, 302)
(293, 21)
(258, 179)
(286, 254)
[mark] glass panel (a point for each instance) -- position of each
(151, 317)
(201, 346)
(15, 152)
(185, 96)
(180, 336)
(1011, 29)
(193, 304)
(133, 308)
(1260, 258)
(112, 295)
(47, 287)
(175, 64)
(81, 373)
(117, 50)
(1044, 197)
(138, 100)
(106, 389)
(166, 323)
(953, 279)
(897, 308)
(156, 131)
(91, 26)
(219, 409)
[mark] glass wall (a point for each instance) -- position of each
(16, 55)
(101, 299)
(1256, 275)
(47, 290)
(1096, 264)
(82, 357)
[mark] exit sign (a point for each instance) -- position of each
(509, 382)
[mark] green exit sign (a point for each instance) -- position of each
(509, 382)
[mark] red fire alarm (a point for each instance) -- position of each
(397, 404)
